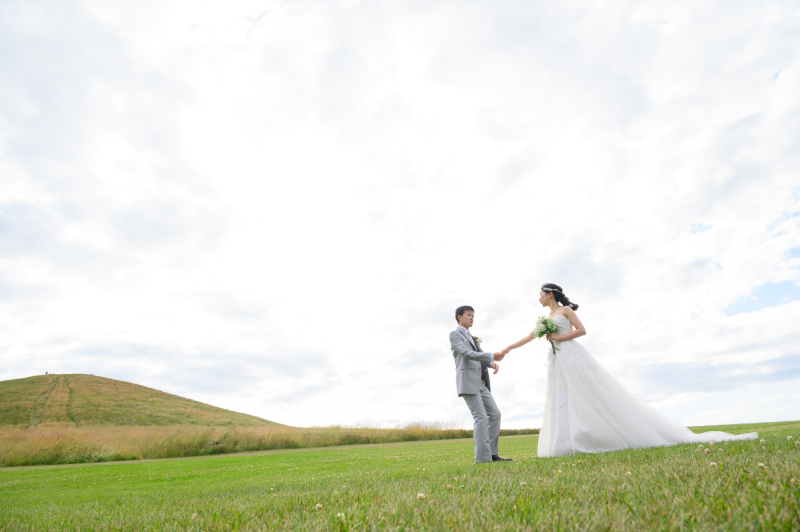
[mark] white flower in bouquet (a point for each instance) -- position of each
(545, 326)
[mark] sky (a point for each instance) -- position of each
(276, 206)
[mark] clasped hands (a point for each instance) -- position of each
(497, 356)
(500, 355)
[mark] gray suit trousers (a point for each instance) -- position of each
(486, 423)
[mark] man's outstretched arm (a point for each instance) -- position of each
(461, 347)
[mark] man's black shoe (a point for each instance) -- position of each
(498, 458)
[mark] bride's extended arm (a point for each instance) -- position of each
(520, 343)
(579, 331)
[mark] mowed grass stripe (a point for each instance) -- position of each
(376, 488)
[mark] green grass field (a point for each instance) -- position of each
(751, 487)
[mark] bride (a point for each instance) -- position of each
(586, 410)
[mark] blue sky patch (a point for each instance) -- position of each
(707, 377)
(699, 228)
(765, 296)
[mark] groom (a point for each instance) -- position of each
(472, 383)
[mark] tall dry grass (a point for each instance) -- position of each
(57, 445)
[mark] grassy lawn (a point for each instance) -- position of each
(377, 487)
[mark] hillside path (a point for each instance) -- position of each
(52, 406)
(38, 409)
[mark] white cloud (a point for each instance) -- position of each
(277, 207)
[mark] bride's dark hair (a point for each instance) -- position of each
(558, 293)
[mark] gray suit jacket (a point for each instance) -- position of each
(470, 363)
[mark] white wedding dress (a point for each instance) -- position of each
(587, 411)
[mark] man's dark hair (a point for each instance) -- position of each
(461, 310)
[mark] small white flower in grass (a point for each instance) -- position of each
(522, 483)
(462, 486)
(318, 506)
(713, 464)
(627, 473)
(341, 517)
(700, 446)
(449, 486)
(789, 438)
(697, 450)
(580, 461)
(763, 442)
(711, 444)
(708, 451)
(760, 484)
(559, 471)
(793, 481)
(420, 496)
(194, 516)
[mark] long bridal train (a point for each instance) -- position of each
(587, 411)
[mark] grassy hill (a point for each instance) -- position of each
(61, 419)
(85, 400)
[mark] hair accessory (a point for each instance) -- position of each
(552, 290)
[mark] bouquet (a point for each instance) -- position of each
(545, 326)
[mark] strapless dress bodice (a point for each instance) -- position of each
(562, 323)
